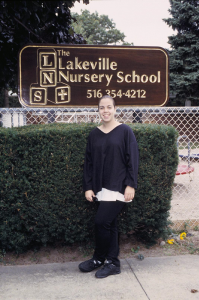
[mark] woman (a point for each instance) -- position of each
(110, 176)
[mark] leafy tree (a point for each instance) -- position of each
(25, 22)
(184, 62)
(97, 29)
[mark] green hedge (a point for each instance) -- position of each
(41, 196)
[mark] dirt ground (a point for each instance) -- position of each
(129, 248)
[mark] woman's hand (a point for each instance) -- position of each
(129, 193)
(89, 195)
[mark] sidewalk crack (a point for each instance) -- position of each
(137, 278)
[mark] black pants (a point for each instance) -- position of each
(106, 232)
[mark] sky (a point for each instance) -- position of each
(140, 20)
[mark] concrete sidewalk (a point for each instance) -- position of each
(154, 278)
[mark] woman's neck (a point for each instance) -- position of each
(106, 127)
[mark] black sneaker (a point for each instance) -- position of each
(90, 265)
(108, 269)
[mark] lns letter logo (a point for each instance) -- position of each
(46, 74)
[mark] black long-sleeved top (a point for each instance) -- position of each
(111, 160)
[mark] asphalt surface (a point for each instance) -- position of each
(154, 278)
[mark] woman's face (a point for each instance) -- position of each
(106, 110)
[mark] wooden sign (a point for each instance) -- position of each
(79, 75)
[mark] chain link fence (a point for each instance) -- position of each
(185, 199)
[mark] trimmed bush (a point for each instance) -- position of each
(41, 196)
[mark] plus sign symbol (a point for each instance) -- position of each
(62, 94)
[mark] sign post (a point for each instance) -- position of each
(78, 75)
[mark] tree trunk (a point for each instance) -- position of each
(6, 98)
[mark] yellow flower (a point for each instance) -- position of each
(183, 235)
(170, 241)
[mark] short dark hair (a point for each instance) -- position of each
(109, 97)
